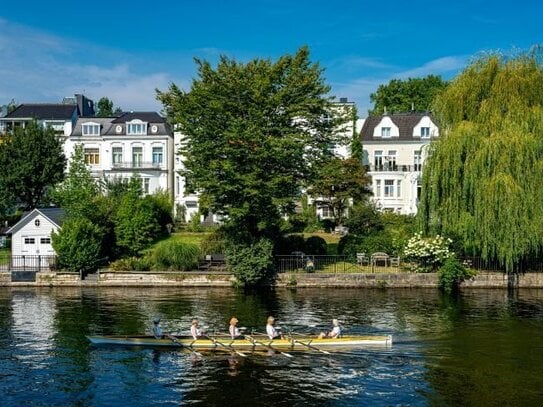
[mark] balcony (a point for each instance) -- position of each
(138, 165)
(394, 168)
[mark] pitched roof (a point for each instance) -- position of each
(116, 126)
(149, 117)
(55, 215)
(404, 121)
(43, 111)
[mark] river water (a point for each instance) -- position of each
(483, 347)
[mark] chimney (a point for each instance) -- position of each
(343, 100)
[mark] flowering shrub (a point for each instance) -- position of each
(428, 253)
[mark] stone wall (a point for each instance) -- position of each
(107, 278)
(148, 278)
(376, 280)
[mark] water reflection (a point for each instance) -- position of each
(465, 350)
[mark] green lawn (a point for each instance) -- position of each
(4, 256)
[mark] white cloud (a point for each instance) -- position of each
(39, 67)
(359, 89)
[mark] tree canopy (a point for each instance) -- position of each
(253, 134)
(483, 181)
(106, 109)
(406, 95)
(337, 183)
(31, 162)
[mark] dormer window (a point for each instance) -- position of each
(424, 132)
(385, 132)
(91, 129)
(136, 127)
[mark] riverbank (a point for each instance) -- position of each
(108, 278)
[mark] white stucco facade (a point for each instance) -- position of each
(395, 149)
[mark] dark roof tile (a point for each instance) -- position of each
(404, 121)
(43, 111)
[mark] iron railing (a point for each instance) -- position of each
(129, 165)
(394, 168)
(28, 263)
(330, 264)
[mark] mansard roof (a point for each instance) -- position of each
(116, 126)
(405, 122)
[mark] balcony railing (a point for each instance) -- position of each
(394, 168)
(130, 165)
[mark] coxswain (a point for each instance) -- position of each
(157, 330)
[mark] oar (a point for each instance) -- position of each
(253, 340)
(229, 347)
(189, 347)
(309, 346)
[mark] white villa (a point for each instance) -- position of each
(135, 143)
(395, 148)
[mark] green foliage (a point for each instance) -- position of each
(78, 245)
(351, 244)
(162, 201)
(213, 243)
(254, 132)
(364, 219)
(78, 192)
(428, 253)
(250, 263)
(338, 182)
(31, 163)
(451, 274)
(400, 96)
(315, 245)
(483, 179)
(105, 108)
(195, 224)
(290, 243)
(172, 255)
(137, 223)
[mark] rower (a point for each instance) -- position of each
(157, 330)
(334, 333)
(195, 331)
(234, 330)
(271, 331)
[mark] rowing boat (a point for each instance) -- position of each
(300, 343)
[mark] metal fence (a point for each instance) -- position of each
(330, 264)
(28, 263)
(345, 264)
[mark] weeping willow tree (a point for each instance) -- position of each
(483, 182)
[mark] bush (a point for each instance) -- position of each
(213, 243)
(137, 224)
(195, 225)
(78, 245)
(290, 243)
(451, 274)
(351, 244)
(327, 225)
(315, 245)
(172, 255)
(131, 264)
(250, 263)
(429, 253)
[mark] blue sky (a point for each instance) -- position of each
(126, 49)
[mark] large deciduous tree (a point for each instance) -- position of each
(405, 95)
(483, 181)
(253, 134)
(106, 109)
(338, 182)
(31, 163)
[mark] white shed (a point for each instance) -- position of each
(31, 236)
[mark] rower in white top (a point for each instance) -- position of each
(233, 330)
(195, 331)
(271, 331)
(334, 333)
